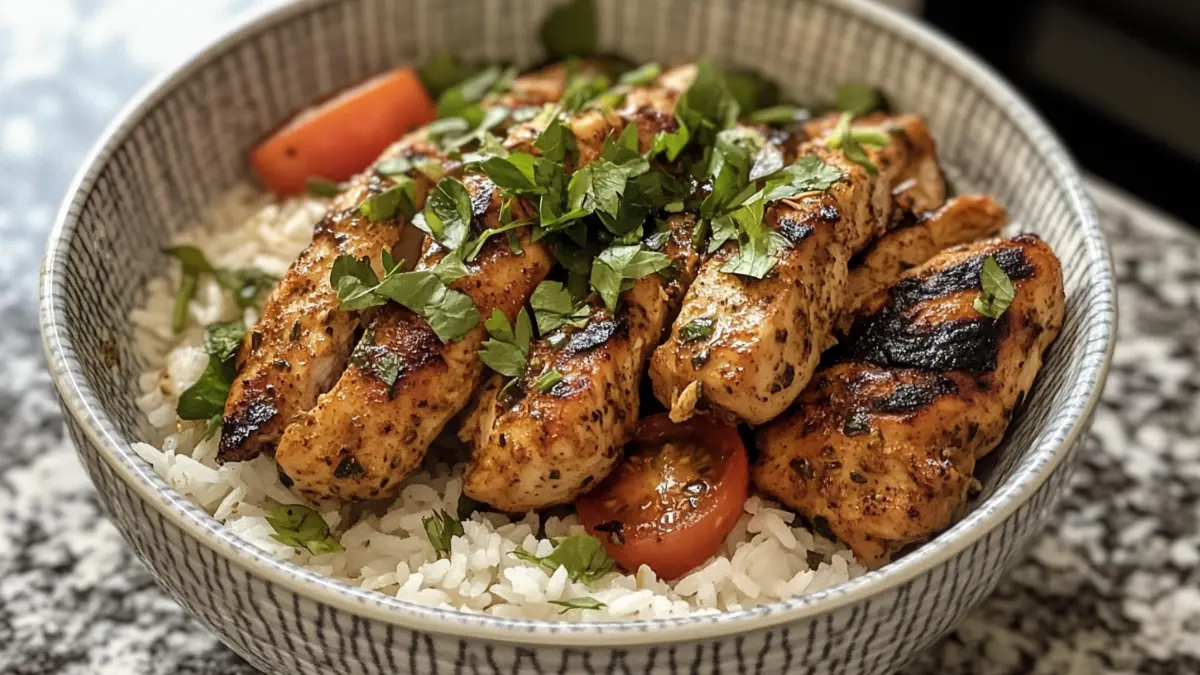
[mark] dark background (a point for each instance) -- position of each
(1118, 79)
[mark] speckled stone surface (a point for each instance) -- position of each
(1113, 586)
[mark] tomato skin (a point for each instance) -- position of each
(342, 136)
(671, 542)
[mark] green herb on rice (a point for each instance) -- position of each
(302, 528)
(582, 554)
(247, 285)
(441, 527)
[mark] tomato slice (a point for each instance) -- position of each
(674, 499)
(343, 135)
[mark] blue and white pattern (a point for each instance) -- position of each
(776, 654)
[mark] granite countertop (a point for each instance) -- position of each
(1112, 586)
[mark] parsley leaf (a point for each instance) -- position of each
(616, 267)
(557, 142)
(582, 89)
(597, 187)
(778, 115)
(447, 213)
(547, 381)
(508, 347)
(321, 187)
(514, 174)
(554, 307)
(998, 291)
(858, 99)
(205, 399)
(697, 329)
(223, 339)
(570, 29)
(441, 527)
(582, 554)
(578, 603)
(376, 359)
(704, 109)
(397, 199)
(354, 282)
(643, 74)
(458, 100)
(450, 313)
(246, 284)
(808, 174)
(757, 246)
(843, 138)
(301, 527)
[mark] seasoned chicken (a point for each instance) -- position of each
(536, 449)
(303, 342)
(364, 436)
(913, 239)
(881, 447)
(770, 332)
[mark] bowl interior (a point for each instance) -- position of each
(186, 143)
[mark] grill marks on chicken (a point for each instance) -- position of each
(913, 239)
(534, 449)
(363, 436)
(770, 332)
(882, 445)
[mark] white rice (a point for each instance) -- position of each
(766, 557)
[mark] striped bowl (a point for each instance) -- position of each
(183, 142)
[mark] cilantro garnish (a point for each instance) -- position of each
(998, 291)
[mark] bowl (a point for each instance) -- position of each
(183, 142)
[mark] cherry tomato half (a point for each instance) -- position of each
(674, 499)
(343, 135)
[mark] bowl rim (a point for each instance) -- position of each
(1084, 392)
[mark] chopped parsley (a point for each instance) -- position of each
(697, 329)
(450, 313)
(205, 399)
(441, 527)
(447, 213)
(302, 528)
(247, 284)
(555, 307)
(507, 347)
(998, 291)
(322, 187)
(851, 141)
(547, 380)
(578, 603)
(376, 359)
(616, 268)
(396, 200)
(583, 555)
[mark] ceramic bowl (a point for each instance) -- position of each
(183, 143)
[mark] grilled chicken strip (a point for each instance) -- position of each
(915, 238)
(303, 342)
(770, 332)
(881, 447)
(536, 449)
(364, 436)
